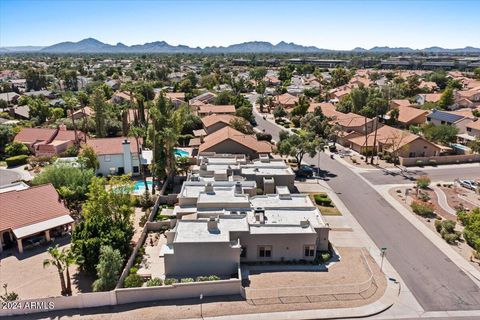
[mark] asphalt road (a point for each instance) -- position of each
(437, 174)
(436, 282)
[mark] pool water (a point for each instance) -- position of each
(459, 146)
(181, 153)
(140, 186)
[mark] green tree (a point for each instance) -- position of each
(471, 232)
(99, 106)
(447, 99)
(245, 112)
(258, 73)
(241, 125)
(35, 79)
(56, 259)
(340, 76)
(6, 135)
(106, 221)
(279, 112)
(476, 72)
(475, 145)
(299, 145)
(444, 134)
(108, 269)
(16, 148)
(69, 77)
(39, 110)
(88, 155)
(301, 107)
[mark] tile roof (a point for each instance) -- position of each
(408, 114)
(328, 108)
(431, 97)
(31, 135)
(286, 99)
(215, 118)
(104, 146)
(474, 125)
(29, 206)
(210, 108)
(387, 135)
(228, 133)
(401, 102)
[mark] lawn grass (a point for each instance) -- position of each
(326, 211)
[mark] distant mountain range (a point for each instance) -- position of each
(91, 45)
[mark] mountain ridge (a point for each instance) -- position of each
(91, 45)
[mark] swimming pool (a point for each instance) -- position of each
(459, 146)
(139, 186)
(181, 153)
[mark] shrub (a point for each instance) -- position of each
(146, 200)
(202, 278)
(262, 136)
(16, 149)
(423, 182)
(432, 162)
(133, 270)
(133, 281)
(155, 282)
(323, 200)
(170, 281)
(326, 256)
(16, 161)
(213, 278)
(259, 191)
(450, 238)
(186, 280)
(438, 225)
(387, 158)
(419, 163)
(423, 196)
(423, 209)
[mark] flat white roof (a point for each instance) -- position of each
(196, 231)
(280, 229)
(223, 195)
(289, 217)
(275, 201)
(267, 171)
(35, 228)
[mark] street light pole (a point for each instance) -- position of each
(383, 253)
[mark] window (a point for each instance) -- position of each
(411, 155)
(469, 129)
(243, 253)
(107, 158)
(135, 169)
(309, 251)
(265, 251)
(443, 122)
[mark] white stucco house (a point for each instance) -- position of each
(117, 155)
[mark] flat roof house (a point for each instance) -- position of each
(229, 140)
(32, 212)
(274, 227)
(116, 155)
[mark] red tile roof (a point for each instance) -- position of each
(215, 118)
(104, 146)
(228, 133)
(210, 108)
(29, 206)
(30, 135)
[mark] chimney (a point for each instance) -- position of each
(259, 215)
(238, 188)
(304, 223)
(127, 157)
(212, 224)
(209, 187)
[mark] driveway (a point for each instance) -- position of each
(8, 176)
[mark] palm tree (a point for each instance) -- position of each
(69, 258)
(56, 259)
(71, 103)
(261, 102)
(138, 132)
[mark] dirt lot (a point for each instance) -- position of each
(25, 274)
(467, 198)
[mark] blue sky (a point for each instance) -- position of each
(325, 24)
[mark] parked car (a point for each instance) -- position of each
(468, 184)
(304, 172)
(253, 122)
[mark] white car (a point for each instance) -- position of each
(468, 184)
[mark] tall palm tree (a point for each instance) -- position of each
(71, 102)
(56, 259)
(138, 132)
(69, 258)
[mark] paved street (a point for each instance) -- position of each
(436, 282)
(437, 174)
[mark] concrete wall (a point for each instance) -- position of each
(441, 159)
(85, 300)
(179, 291)
(215, 258)
(288, 247)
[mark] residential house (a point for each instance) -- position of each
(41, 93)
(395, 103)
(10, 97)
(48, 142)
(117, 155)
(215, 122)
(411, 116)
(204, 98)
(176, 98)
(233, 227)
(82, 113)
(394, 141)
(120, 97)
(438, 117)
(423, 98)
(286, 100)
(229, 140)
(473, 129)
(428, 86)
(32, 215)
(209, 109)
